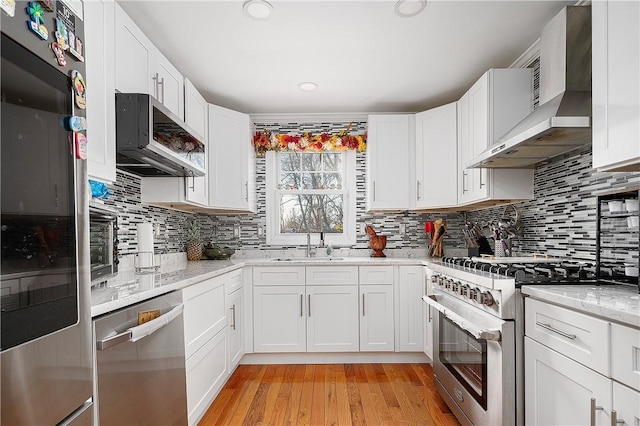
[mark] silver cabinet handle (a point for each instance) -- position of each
(362, 304)
(374, 190)
(481, 183)
(594, 408)
(417, 190)
(161, 83)
(555, 330)
(155, 87)
(430, 315)
(233, 316)
(614, 419)
(246, 191)
(464, 186)
(301, 302)
(309, 310)
(145, 329)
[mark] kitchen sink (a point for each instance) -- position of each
(306, 259)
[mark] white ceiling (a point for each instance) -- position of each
(363, 56)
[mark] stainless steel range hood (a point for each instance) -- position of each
(562, 122)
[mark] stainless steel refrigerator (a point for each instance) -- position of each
(46, 349)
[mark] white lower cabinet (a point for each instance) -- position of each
(410, 289)
(376, 318)
(332, 318)
(207, 371)
(279, 323)
(558, 390)
(235, 318)
(427, 317)
(579, 369)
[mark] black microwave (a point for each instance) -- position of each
(103, 243)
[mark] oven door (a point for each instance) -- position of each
(473, 361)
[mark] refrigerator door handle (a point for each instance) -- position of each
(141, 331)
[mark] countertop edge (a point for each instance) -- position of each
(220, 269)
(615, 303)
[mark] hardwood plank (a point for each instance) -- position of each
(291, 416)
(395, 379)
(284, 394)
(306, 396)
(221, 411)
(318, 402)
(249, 393)
(330, 401)
(342, 396)
(368, 407)
(271, 397)
(379, 402)
(357, 413)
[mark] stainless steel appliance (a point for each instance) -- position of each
(562, 122)
(46, 353)
(141, 378)
(152, 141)
(103, 242)
(479, 330)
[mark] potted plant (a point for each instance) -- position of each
(194, 241)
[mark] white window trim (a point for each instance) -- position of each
(347, 238)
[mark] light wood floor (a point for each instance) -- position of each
(335, 394)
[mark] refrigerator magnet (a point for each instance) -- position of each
(80, 146)
(79, 89)
(9, 6)
(77, 124)
(36, 22)
(62, 61)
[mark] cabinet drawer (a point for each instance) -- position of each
(576, 335)
(332, 275)
(278, 275)
(376, 275)
(233, 281)
(204, 313)
(625, 355)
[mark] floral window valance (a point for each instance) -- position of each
(324, 142)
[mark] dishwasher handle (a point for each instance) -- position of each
(141, 331)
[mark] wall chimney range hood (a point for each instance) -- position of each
(562, 122)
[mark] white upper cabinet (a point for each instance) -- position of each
(195, 115)
(389, 170)
(142, 68)
(231, 161)
(101, 116)
(436, 158)
(491, 107)
(616, 85)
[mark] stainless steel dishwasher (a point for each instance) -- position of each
(140, 373)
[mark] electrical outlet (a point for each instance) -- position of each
(403, 229)
(260, 230)
(236, 231)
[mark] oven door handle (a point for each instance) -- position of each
(466, 325)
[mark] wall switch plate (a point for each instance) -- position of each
(260, 230)
(403, 228)
(236, 231)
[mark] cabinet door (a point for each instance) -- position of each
(410, 290)
(626, 403)
(235, 310)
(204, 313)
(229, 157)
(436, 155)
(616, 86)
(207, 371)
(170, 84)
(332, 318)
(427, 320)
(388, 155)
(101, 117)
(376, 318)
(478, 137)
(279, 322)
(134, 57)
(196, 116)
(558, 390)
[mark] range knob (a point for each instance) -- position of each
(447, 283)
(471, 293)
(454, 286)
(463, 289)
(434, 278)
(487, 299)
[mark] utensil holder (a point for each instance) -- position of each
(146, 262)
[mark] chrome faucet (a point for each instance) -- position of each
(308, 244)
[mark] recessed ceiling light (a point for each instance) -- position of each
(409, 8)
(308, 86)
(258, 9)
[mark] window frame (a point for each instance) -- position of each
(273, 234)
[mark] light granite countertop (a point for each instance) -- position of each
(127, 287)
(618, 303)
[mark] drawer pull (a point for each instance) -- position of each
(594, 408)
(614, 419)
(555, 330)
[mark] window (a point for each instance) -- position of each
(311, 193)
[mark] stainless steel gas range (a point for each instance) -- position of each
(478, 330)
